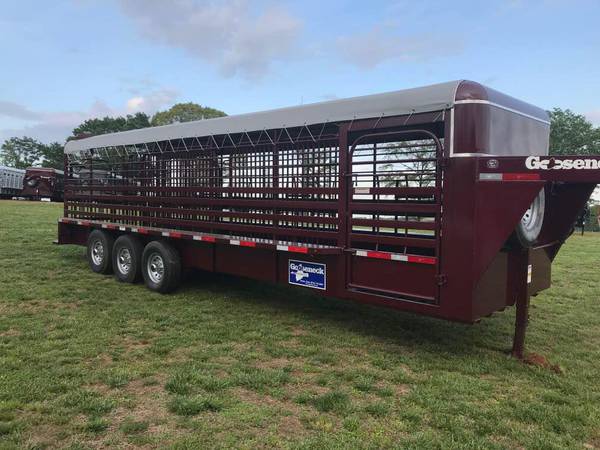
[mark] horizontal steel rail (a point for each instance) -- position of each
(393, 240)
(199, 201)
(198, 212)
(199, 189)
(410, 224)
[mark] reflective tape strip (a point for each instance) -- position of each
(373, 254)
(422, 259)
(177, 234)
(521, 177)
(397, 257)
(197, 237)
(242, 243)
(509, 176)
(292, 248)
(490, 176)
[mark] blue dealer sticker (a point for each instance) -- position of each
(307, 274)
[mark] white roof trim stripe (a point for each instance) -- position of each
(436, 97)
(506, 108)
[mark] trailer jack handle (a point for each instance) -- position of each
(520, 261)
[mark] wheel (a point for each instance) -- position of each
(530, 226)
(161, 267)
(127, 258)
(99, 251)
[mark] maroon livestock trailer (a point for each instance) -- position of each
(439, 200)
(43, 183)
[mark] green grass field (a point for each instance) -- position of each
(87, 362)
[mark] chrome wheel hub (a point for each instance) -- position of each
(530, 218)
(527, 216)
(124, 261)
(155, 268)
(97, 253)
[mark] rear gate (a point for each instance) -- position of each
(394, 215)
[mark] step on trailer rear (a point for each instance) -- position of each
(440, 200)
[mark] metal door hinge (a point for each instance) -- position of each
(441, 279)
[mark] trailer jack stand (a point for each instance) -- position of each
(521, 320)
(520, 259)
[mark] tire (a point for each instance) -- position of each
(161, 267)
(529, 227)
(127, 258)
(99, 251)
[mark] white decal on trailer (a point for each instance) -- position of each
(537, 163)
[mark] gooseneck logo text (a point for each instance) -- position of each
(538, 163)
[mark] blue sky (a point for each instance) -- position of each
(68, 60)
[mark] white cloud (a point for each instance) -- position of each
(594, 117)
(50, 126)
(378, 45)
(135, 103)
(16, 111)
(226, 33)
(151, 102)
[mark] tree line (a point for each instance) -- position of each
(570, 133)
(23, 152)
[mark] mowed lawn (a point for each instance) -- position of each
(87, 362)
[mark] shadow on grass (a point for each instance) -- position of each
(386, 325)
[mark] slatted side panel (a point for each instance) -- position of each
(287, 191)
(395, 204)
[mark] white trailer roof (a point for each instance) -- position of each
(11, 169)
(416, 100)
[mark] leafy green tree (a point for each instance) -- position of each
(572, 133)
(105, 125)
(185, 112)
(52, 155)
(20, 152)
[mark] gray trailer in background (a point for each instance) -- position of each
(11, 181)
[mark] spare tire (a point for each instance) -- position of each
(529, 227)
